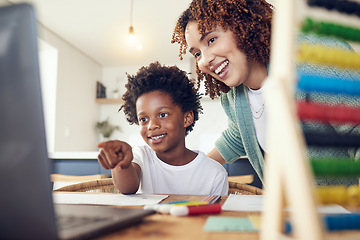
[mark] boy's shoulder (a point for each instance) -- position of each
(209, 161)
(142, 148)
(142, 151)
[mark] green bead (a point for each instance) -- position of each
(331, 29)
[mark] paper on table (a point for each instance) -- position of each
(228, 224)
(108, 199)
(255, 203)
(243, 203)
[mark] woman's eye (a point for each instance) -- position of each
(162, 115)
(211, 40)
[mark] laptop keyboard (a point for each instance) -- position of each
(69, 222)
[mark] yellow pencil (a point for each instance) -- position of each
(190, 203)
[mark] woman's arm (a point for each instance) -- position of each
(214, 154)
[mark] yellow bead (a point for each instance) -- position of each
(331, 194)
(339, 194)
(320, 195)
(353, 195)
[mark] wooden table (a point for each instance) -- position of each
(161, 226)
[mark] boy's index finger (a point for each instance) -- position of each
(101, 144)
(110, 144)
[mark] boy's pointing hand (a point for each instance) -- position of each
(115, 153)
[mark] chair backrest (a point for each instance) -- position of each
(107, 185)
(244, 189)
(61, 180)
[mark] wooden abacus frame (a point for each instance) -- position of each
(288, 176)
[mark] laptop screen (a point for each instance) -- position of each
(26, 206)
(24, 166)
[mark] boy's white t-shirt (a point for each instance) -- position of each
(202, 176)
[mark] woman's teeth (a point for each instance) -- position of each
(221, 67)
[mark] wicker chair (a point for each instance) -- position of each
(244, 189)
(106, 186)
(61, 180)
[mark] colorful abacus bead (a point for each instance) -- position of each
(340, 222)
(353, 196)
(330, 29)
(319, 54)
(331, 194)
(342, 6)
(335, 167)
(336, 222)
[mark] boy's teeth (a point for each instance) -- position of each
(221, 67)
(157, 137)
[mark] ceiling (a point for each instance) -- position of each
(100, 28)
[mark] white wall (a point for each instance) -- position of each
(48, 57)
(76, 111)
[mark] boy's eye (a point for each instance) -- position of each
(162, 115)
(142, 119)
(197, 54)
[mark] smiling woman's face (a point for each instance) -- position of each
(217, 54)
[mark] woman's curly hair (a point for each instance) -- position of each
(249, 20)
(170, 80)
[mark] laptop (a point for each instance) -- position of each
(26, 206)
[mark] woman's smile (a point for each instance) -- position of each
(221, 69)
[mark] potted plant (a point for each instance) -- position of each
(116, 93)
(106, 128)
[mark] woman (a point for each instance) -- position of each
(230, 40)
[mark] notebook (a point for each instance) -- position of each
(26, 206)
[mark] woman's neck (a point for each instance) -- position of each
(257, 76)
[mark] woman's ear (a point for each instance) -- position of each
(188, 118)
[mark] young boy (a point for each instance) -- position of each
(164, 103)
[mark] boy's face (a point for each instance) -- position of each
(162, 123)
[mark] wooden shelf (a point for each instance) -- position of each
(119, 100)
(108, 100)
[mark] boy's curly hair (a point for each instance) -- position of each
(249, 20)
(171, 80)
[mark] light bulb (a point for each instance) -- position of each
(131, 34)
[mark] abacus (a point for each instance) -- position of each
(290, 173)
